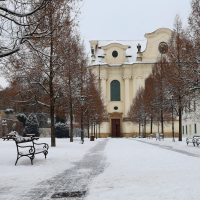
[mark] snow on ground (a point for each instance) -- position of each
(136, 168)
(58, 159)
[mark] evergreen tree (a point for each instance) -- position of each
(32, 125)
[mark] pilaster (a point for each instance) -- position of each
(127, 93)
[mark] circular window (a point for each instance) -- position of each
(115, 108)
(163, 47)
(114, 54)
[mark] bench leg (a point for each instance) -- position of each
(31, 160)
(45, 154)
(31, 157)
(17, 160)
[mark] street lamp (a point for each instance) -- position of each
(82, 100)
(172, 105)
(96, 117)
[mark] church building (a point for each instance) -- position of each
(122, 67)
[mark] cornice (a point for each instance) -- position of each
(125, 77)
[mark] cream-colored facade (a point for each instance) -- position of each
(129, 63)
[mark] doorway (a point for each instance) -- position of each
(115, 127)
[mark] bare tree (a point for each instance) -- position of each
(20, 21)
(178, 69)
(138, 111)
(95, 106)
(150, 99)
(42, 62)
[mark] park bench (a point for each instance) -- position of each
(195, 140)
(159, 136)
(27, 147)
(140, 136)
(150, 136)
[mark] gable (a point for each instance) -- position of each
(115, 53)
(153, 40)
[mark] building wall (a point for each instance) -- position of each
(191, 118)
(131, 75)
(45, 132)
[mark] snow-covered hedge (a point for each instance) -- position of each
(62, 130)
(32, 125)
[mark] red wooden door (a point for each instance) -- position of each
(115, 127)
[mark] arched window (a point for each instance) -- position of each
(115, 90)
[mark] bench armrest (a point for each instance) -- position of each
(45, 145)
(28, 150)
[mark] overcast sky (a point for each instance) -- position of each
(127, 19)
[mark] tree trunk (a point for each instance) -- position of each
(94, 129)
(53, 140)
(145, 135)
(151, 124)
(88, 129)
(139, 127)
(71, 122)
(162, 123)
(180, 123)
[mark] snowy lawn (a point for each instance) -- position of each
(135, 170)
(138, 170)
(26, 175)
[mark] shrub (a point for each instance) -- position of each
(32, 125)
(22, 118)
(62, 130)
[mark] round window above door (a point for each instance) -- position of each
(115, 108)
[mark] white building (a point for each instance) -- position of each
(122, 67)
(191, 119)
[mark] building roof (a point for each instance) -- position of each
(148, 53)
(131, 52)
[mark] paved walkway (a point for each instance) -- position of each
(171, 149)
(73, 183)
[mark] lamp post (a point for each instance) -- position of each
(172, 105)
(96, 124)
(82, 100)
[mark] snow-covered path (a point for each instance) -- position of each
(71, 182)
(107, 169)
(138, 170)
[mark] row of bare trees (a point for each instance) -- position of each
(50, 71)
(175, 74)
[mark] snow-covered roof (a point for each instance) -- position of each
(131, 52)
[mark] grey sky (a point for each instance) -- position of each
(128, 19)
